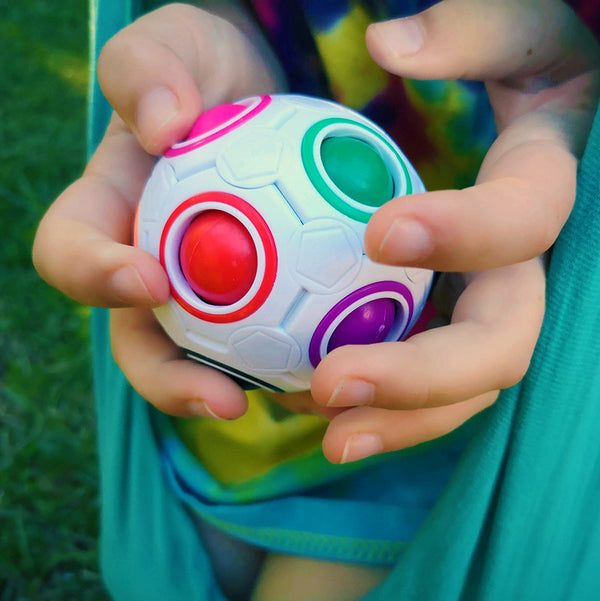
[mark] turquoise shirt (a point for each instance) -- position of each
(514, 518)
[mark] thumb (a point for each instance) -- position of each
(483, 40)
(145, 72)
(163, 70)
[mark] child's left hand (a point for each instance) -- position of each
(398, 395)
(540, 66)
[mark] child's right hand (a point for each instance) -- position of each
(159, 74)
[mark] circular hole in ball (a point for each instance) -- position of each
(357, 169)
(370, 323)
(218, 257)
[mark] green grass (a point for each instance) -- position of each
(48, 473)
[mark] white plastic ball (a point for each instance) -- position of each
(258, 217)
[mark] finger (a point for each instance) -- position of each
(82, 246)
(145, 77)
(161, 374)
(365, 431)
(541, 72)
(524, 194)
(487, 346)
(162, 70)
(483, 40)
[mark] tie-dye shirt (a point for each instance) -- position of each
(444, 127)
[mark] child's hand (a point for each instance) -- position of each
(158, 74)
(540, 65)
(399, 394)
(541, 68)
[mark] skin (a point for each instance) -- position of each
(540, 66)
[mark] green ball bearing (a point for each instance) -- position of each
(358, 170)
(353, 167)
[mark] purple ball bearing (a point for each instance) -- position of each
(374, 313)
(258, 217)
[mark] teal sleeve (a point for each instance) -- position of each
(140, 557)
(520, 517)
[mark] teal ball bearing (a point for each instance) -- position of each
(258, 218)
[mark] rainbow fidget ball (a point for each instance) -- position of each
(258, 218)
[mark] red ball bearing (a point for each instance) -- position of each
(218, 258)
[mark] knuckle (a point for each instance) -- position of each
(129, 44)
(515, 370)
(111, 51)
(119, 52)
(178, 11)
(556, 221)
(39, 254)
(173, 22)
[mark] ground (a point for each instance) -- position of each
(48, 473)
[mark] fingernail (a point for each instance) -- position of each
(154, 111)
(403, 37)
(201, 409)
(128, 286)
(361, 446)
(351, 393)
(405, 241)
